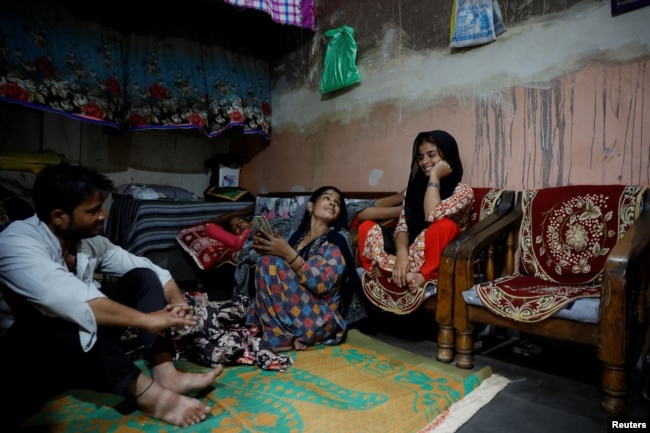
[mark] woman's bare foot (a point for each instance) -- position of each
(183, 383)
(414, 280)
(298, 345)
(374, 271)
(166, 405)
(282, 349)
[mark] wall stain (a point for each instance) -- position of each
(552, 135)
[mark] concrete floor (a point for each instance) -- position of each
(541, 397)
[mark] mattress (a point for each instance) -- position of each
(141, 226)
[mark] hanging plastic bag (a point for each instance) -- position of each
(340, 69)
(475, 22)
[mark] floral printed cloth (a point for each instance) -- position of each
(221, 336)
(51, 60)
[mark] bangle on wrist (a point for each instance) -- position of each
(294, 259)
(299, 265)
(434, 184)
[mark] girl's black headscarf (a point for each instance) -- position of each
(417, 184)
(335, 236)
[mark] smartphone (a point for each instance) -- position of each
(261, 223)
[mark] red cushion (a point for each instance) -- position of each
(204, 250)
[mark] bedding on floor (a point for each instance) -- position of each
(141, 226)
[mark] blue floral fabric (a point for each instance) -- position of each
(53, 61)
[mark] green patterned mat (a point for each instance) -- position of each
(363, 385)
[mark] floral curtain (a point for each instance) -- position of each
(52, 60)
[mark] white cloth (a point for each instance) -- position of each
(32, 267)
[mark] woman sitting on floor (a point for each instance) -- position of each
(299, 282)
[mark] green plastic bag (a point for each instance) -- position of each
(340, 69)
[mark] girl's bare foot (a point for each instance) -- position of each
(183, 383)
(298, 345)
(414, 280)
(166, 405)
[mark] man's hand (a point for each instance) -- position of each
(173, 293)
(110, 313)
(171, 316)
(181, 309)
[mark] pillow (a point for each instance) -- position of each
(281, 207)
(154, 192)
(206, 252)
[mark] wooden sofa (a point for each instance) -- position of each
(573, 243)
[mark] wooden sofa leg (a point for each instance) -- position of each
(614, 388)
(445, 349)
(464, 348)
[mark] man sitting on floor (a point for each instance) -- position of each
(67, 326)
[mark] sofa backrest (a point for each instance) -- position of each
(485, 201)
(292, 205)
(567, 232)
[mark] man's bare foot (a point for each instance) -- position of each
(374, 271)
(415, 280)
(166, 405)
(184, 383)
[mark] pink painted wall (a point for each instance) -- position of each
(585, 126)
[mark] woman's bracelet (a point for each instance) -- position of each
(299, 266)
(434, 184)
(294, 259)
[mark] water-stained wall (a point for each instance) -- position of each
(560, 98)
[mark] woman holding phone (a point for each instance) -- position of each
(299, 281)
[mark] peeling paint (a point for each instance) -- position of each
(556, 101)
(531, 55)
(374, 177)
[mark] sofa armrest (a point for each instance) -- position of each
(626, 278)
(496, 244)
(445, 295)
